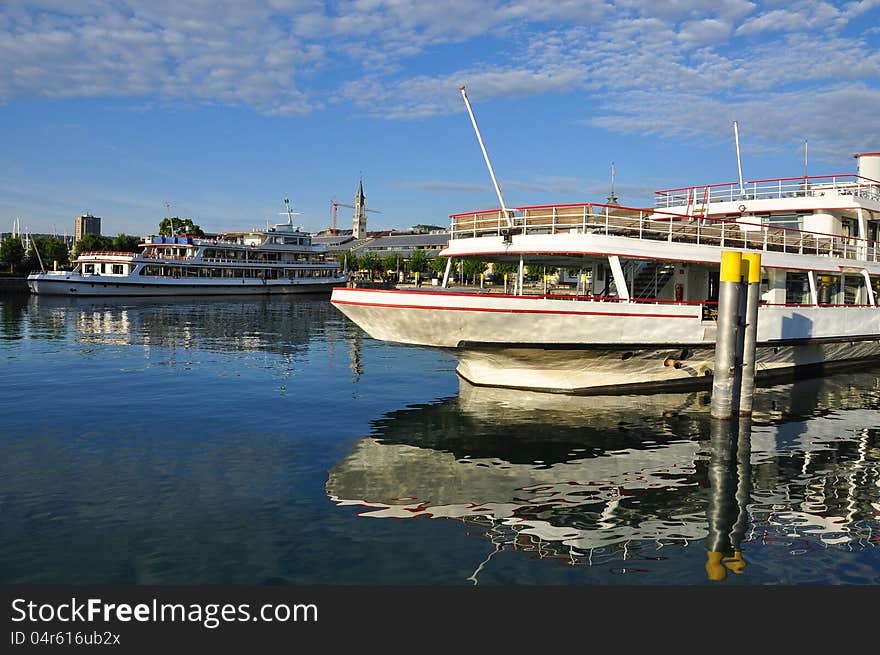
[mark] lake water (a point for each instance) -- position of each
(270, 441)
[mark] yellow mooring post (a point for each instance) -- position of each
(727, 373)
(751, 273)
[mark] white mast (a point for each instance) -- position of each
(486, 157)
(806, 158)
(742, 188)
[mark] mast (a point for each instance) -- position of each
(742, 188)
(486, 157)
(806, 158)
(289, 214)
(33, 243)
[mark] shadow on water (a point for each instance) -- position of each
(624, 483)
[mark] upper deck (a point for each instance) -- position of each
(819, 192)
(714, 215)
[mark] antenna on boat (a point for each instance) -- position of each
(742, 188)
(612, 199)
(287, 213)
(486, 157)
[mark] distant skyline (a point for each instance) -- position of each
(222, 109)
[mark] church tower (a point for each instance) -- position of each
(359, 222)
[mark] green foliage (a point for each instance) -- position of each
(370, 262)
(471, 268)
(350, 260)
(392, 262)
(418, 262)
(126, 243)
(438, 264)
(91, 243)
(501, 268)
(12, 254)
(51, 250)
(174, 225)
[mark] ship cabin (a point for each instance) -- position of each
(281, 252)
(818, 237)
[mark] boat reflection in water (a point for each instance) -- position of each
(609, 480)
(215, 324)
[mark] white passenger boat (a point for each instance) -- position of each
(281, 259)
(642, 315)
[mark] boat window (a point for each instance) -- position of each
(797, 288)
(88, 269)
(827, 288)
(117, 269)
(854, 292)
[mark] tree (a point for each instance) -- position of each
(392, 262)
(471, 268)
(418, 262)
(370, 262)
(501, 268)
(438, 264)
(350, 261)
(91, 243)
(50, 250)
(12, 254)
(175, 225)
(126, 243)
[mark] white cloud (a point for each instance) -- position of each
(676, 67)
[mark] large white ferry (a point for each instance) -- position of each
(643, 312)
(281, 259)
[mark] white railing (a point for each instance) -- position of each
(613, 220)
(794, 187)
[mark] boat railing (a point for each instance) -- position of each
(179, 258)
(107, 253)
(696, 198)
(654, 225)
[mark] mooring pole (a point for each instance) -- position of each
(752, 275)
(727, 375)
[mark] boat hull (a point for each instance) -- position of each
(74, 285)
(590, 347)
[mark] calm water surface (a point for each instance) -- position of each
(271, 441)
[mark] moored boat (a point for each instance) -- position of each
(278, 260)
(642, 314)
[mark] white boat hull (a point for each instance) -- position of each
(586, 346)
(76, 285)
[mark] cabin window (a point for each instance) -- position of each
(827, 288)
(88, 269)
(854, 292)
(797, 289)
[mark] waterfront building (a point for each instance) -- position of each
(86, 224)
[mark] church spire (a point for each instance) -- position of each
(359, 222)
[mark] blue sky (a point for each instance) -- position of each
(221, 108)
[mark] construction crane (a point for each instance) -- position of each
(334, 205)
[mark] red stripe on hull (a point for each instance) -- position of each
(508, 311)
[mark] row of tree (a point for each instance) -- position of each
(418, 262)
(14, 259)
